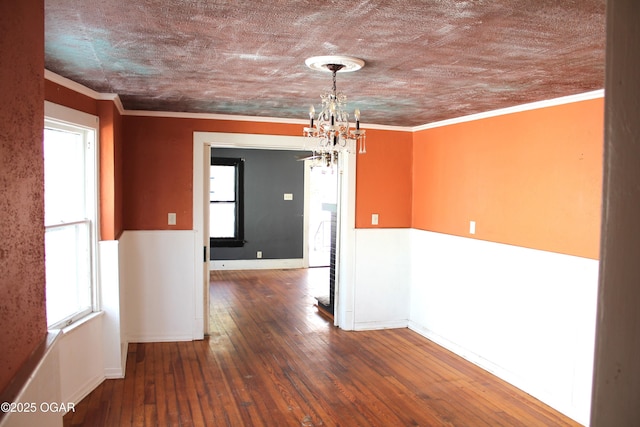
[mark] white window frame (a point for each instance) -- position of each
(64, 117)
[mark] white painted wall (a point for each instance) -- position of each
(382, 278)
(344, 303)
(114, 349)
(81, 358)
(162, 301)
(72, 368)
(526, 315)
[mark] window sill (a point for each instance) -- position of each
(89, 317)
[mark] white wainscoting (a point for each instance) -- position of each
(382, 278)
(162, 298)
(114, 344)
(526, 315)
(82, 366)
(71, 369)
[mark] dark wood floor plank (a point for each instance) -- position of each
(272, 360)
(126, 415)
(114, 399)
(160, 389)
(139, 384)
(193, 397)
(172, 414)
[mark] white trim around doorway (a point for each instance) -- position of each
(345, 287)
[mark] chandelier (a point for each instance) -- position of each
(330, 130)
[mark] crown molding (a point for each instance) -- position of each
(211, 116)
(515, 109)
(239, 118)
(77, 87)
(83, 90)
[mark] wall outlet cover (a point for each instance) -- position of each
(171, 218)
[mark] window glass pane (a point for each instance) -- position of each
(222, 219)
(67, 263)
(64, 183)
(68, 201)
(223, 184)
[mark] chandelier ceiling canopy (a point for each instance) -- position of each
(348, 63)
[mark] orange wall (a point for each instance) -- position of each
(110, 170)
(22, 271)
(383, 180)
(530, 179)
(158, 170)
(158, 166)
(61, 95)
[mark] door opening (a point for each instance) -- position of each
(345, 205)
(322, 240)
(323, 186)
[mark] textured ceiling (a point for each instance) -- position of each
(426, 60)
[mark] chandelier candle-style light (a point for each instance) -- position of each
(331, 128)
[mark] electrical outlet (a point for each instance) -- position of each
(171, 218)
(288, 196)
(374, 219)
(472, 227)
(259, 254)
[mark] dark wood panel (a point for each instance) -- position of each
(272, 360)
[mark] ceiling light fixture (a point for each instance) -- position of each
(331, 127)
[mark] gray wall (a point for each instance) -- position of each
(271, 224)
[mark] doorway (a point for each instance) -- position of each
(345, 249)
(323, 186)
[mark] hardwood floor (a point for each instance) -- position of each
(272, 360)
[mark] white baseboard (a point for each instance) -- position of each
(85, 389)
(460, 351)
(256, 264)
(113, 373)
(492, 368)
(372, 326)
(159, 338)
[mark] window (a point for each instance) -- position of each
(226, 213)
(70, 227)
